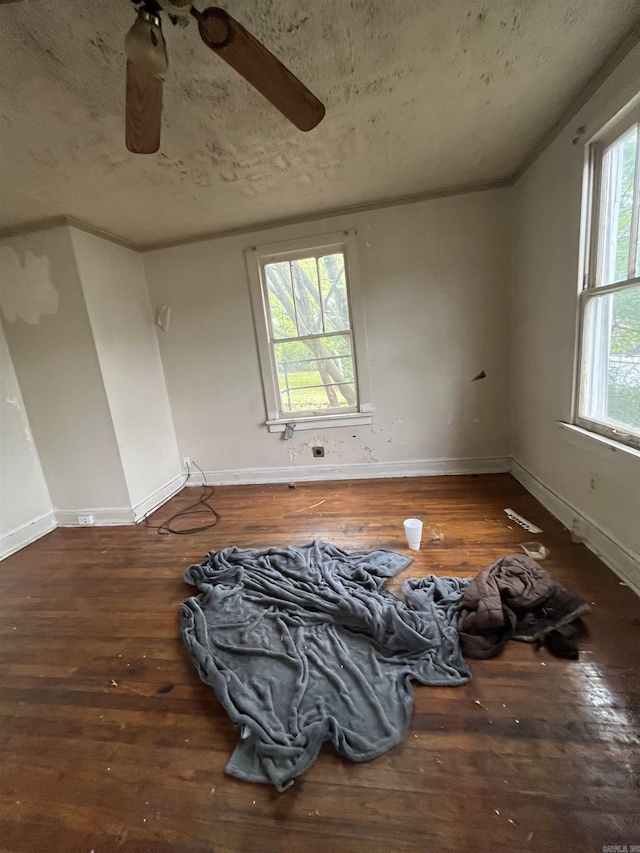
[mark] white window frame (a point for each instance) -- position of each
(593, 259)
(257, 257)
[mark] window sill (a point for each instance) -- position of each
(321, 422)
(602, 440)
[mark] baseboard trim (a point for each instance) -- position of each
(361, 471)
(613, 553)
(103, 516)
(158, 497)
(26, 533)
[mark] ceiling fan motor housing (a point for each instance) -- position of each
(215, 28)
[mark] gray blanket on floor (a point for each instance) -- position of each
(303, 645)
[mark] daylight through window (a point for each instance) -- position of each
(311, 334)
(609, 394)
(310, 329)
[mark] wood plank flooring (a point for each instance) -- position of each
(93, 758)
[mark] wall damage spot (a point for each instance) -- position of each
(26, 291)
(369, 450)
(13, 401)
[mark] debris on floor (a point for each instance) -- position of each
(535, 550)
(527, 525)
(311, 507)
(436, 534)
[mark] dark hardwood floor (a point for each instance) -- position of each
(95, 759)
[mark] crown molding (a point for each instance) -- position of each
(329, 214)
(106, 235)
(62, 221)
(34, 225)
(57, 221)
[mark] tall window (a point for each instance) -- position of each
(609, 392)
(306, 315)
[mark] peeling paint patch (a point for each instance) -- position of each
(26, 290)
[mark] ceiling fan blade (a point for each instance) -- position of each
(144, 110)
(229, 39)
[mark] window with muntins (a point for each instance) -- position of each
(304, 300)
(609, 375)
(310, 334)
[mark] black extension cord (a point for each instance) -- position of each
(165, 528)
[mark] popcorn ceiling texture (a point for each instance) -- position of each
(420, 96)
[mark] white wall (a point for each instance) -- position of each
(117, 299)
(25, 506)
(48, 333)
(434, 278)
(579, 478)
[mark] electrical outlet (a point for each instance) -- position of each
(318, 451)
(186, 461)
(85, 519)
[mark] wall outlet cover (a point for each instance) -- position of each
(85, 519)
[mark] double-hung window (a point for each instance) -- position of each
(609, 376)
(310, 329)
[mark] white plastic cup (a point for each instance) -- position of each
(413, 532)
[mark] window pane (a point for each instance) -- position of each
(305, 286)
(333, 284)
(281, 305)
(611, 393)
(618, 169)
(316, 375)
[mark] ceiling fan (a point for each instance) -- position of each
(147, 64)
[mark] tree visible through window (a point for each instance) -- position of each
(610, 375)
(311, 334)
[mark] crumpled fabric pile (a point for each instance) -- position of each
(304, 645)
(516, 599)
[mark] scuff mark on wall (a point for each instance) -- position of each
(26, 429)
(373, 430)
(26, 290)
(13, 401)
(369, 450)
(380, 429)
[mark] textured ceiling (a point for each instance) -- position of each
(421, 95)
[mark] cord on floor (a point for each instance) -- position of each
(207, 509)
